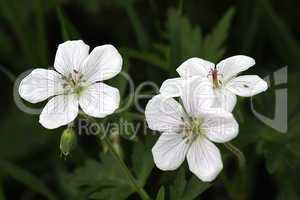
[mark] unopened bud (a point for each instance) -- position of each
(116, 143)
(68, 141)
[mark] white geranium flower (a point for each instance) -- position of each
(76, 82)
(190, 130)
(223, 76)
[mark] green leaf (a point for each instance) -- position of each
(68, 30)
(148, 57)
(183, 189)
(102, 180)
(191, 40)
(178, 186)
(41, 34)
(138, 28)
(185, 41)
(142, 160)
(105, 179)
(25, 178)
(282, 38)
(161, 193)
(194, 188)
(19, 141)
(213, 43)
(173, 25)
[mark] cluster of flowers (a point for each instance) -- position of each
(206, 96)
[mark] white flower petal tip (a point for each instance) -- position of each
(231, 66)
(204, 160)
(247, 86)
(169, 152)
(100, 100)
(40, 84)
(172, 87)
(195, 67)
(220, 126)
(70, 55)
(59, 111)
(164, 114)
(103, 63)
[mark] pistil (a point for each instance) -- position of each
(216, 82)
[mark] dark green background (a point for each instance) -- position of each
(154, 37)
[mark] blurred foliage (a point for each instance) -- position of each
(105, 179)
(154, 38)
(184, 41)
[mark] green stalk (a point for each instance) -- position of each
(140, 33)
(64, 32)
(125, 169)
(133, 182)
(41, 34)
(237, 153)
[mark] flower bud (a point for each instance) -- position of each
(68, 141)
(116, 143)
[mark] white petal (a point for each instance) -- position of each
(99, 100)
(59, 111)
(172, 87)
(70, 55)
(169, 151)
(103, 63)
(231, 66)
(195, 67)
(164, 114)
(225, 99)
(197, 96)
(247, 86)
(204, 159)
(220, 126)
(41, 84)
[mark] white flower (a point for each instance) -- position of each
(223, 76)
(189, 130)
(76, 82)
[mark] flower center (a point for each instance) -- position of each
(193, 128)
(216, 82)
(74, 83)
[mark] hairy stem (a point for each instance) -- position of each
(133, 182)
(237, 153)
(126, 171)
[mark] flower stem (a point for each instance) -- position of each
(125, 169)
(237, 153)
(133, 182)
